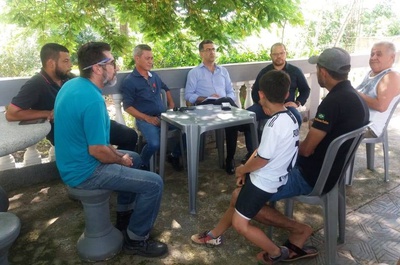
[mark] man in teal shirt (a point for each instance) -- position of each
(86, 160)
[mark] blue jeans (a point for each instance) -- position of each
(295, 186)
(260, 115)
(136, 188)
(151, 134)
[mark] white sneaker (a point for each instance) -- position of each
(205, 239)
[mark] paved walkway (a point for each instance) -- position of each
(51, 223)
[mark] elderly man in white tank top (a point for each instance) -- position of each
(381, 86)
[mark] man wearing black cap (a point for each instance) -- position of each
(341, 111)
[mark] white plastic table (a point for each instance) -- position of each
(15, 137)
(195, 122)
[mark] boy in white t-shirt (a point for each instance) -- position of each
(265, 171)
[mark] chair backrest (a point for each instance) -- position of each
(390, 115)
(356, 136)
(164, 97)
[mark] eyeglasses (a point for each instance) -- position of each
(278, 54)
(103, 62)
(112, 63)
(209, 50)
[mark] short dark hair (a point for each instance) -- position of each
(90, 54)
(335, 75)
(138, 50)
(278, 44)
(201, 45)
(51, 51)
(275, 85)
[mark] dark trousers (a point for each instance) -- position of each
(231, 133)
(122, 136)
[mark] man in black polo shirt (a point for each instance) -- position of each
(298, 83)
(36, 98)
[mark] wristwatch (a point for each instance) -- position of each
(298, 103)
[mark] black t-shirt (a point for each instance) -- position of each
(38, 93)
(341, 111)
(297, 81)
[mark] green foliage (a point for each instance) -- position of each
(174, 28)
(172, 54)
(157, 20)
(65, 21)
(235, 56)
(381, 21)
(324, 27)
(19, 57)
(394, 28)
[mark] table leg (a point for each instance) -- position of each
(193, 147)
(254, 138)
(163, 146)
(220, 139)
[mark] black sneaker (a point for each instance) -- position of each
(174, 161)
(145, 248)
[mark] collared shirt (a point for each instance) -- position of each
(39, 93)
(144, 95)
(201, 82)
(297, 82)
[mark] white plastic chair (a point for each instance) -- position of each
(370, 148)
(334, 201)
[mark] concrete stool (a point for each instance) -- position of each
(100, 239)
(9, 231)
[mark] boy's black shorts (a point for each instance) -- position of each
(251, 199)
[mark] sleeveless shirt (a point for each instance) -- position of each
(369, 87)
